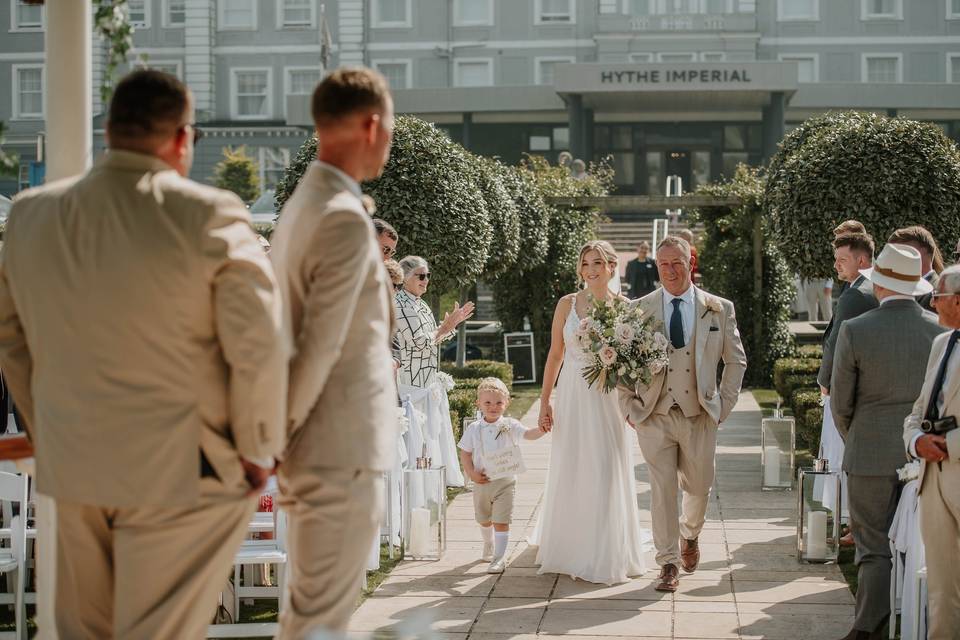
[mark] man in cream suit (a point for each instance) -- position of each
(677, 415)
(940, 467)
(342, 401)
(868, 401)
(140, 332)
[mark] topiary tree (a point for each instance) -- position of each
(533, 292)
(726, 260)
(533, 215)
(504, 217)
(885, 172)
(428, 193)
(239, 173)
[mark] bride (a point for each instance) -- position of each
(589, 526)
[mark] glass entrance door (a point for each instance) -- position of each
(692, 165)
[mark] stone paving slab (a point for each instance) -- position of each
(749, 584)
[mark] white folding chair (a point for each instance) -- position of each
(13, 491)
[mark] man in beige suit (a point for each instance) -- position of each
(677, 415)
(140, 331)
(342, 400)
(937, 445)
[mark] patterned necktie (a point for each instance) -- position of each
(676, 325)
(932, 412)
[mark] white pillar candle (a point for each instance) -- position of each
(771, 466)
(419, 532)
(816, 535)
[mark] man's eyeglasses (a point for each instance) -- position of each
(943, 295)
(197, 132)
(423, 276)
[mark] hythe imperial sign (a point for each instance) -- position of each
(656, 76)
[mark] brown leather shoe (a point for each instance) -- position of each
(689, 554)
(669, 578)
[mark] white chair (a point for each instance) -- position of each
(13, 490)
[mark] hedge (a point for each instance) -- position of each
(792, 366)
(810, 351)
(463, 404)
(798, 381)
(477, 369)
(801, 401)
(812, 424)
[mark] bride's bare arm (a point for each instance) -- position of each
(554, 359)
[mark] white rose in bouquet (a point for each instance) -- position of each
(656, 366)
(625, 333)
(660, 341)
(608, 355)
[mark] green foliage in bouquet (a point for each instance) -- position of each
(532, 290)
(726, 262)
(885, 172)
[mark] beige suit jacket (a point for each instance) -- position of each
(337, 313)
(716, 339)
(951, 406)
(139, 323)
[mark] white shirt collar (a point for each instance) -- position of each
(896, 297)
(352, 184)
(687, 296)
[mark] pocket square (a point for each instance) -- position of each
(714, 328)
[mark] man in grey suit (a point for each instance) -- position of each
(878, 371)
(852, 252)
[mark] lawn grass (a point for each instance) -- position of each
(522, 398)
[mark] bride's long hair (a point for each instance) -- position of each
(606, 251)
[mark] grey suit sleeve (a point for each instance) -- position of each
(853, 303)
(844, 376)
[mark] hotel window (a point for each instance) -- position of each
(473, 73)
(953, 9)
(717, 6)
(473, 12)
(806, 67)
(27, 91)
(547, 66)
(882, 68)
(301, 81)
(392, 13)
(798, 10)
(397, 72)
(639, 7)
(237, 14)
(273, 162)
(881, 9)
(27, 16)
(173, 67)
(175, 13)
(679, 6)
(138, 12)
(250, 90)
(677, 57)
(295, 13)
(554, 11)
(953, 67)
(713, 56)
(640, 57)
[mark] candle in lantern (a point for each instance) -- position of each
(771, 466)
(419, 531)
(817, 535)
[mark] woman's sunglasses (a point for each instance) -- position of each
(422, 276)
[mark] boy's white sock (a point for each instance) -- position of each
(500, 546)
(487, 534)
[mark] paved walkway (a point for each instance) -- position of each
(749, 584)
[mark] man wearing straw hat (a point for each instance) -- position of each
(878, 370)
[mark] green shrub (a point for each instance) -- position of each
(801, 401)
(792, 366)
(265, 229)
(885, 172)
(463, 404)
(238, 172)
(798, 381)
(476, 369)
(466, 383)
(810, 351)
(808, 433)
(764, 322)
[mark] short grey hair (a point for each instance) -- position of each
(950, 279)
(678, 243)
(409, 264)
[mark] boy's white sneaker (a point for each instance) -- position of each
(497, 566)
(487, 554)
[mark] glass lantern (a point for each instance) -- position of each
(818, 519)
(777, 453)
(424, 513)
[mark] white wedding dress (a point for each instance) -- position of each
(589, 525)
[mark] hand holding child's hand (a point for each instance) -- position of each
(479, 477)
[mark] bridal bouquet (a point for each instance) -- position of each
(621, 346)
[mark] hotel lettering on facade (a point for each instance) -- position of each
(664, 87)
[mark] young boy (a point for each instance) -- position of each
(492, 499)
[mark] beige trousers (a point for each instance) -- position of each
(150, 572)
(679, 453)
(940, 527)
(333, 515)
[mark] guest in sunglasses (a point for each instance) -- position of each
(417, 346)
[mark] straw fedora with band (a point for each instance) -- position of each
(898, 268)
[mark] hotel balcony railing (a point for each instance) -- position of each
(678, 22)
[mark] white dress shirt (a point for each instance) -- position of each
(896, 296)
(687, 307)
(951, 371)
